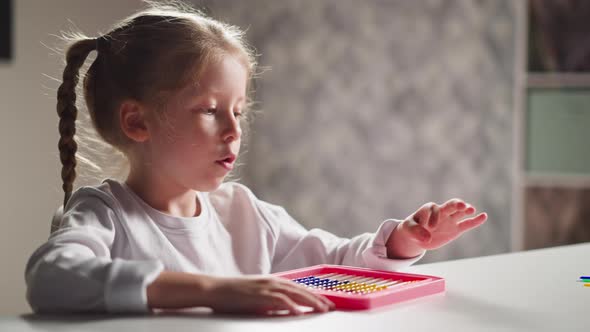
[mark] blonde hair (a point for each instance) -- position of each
(146, 57)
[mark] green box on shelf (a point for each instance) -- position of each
(558, 130)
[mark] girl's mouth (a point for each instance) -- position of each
(227, 163)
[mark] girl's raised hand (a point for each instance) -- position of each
(264, 295)
(431, 227)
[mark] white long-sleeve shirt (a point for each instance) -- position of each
(111, 245)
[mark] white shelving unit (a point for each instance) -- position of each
(519, 103)
(552, 180)
(557, 80)
(524, 81)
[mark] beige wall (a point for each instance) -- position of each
(460, 74)
(29, 170)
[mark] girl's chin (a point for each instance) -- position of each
(210, 185)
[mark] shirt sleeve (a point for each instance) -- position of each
(74, 272)
(297, 247)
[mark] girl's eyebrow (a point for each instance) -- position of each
(216, 92)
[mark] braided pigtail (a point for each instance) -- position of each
(67, 111)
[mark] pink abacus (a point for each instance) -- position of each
(359, 288)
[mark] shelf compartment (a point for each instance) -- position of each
(558, 135)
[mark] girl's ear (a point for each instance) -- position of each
(133, 120)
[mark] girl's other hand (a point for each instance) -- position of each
(431, 227)
(264, 295)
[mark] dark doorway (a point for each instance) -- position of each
(5, 29)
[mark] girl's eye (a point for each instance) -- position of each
(210, 111)
(237, 114)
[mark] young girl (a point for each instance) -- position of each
(169, 88)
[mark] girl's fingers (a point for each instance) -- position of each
(283, 302)
(303, 296)
(470, 223)
(452, 206)
(434, 215)
(462, 214)
(422, 216)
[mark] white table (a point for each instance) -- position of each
(527, 291)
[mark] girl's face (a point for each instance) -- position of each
(196, 141)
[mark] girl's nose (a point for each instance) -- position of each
(233, 131)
